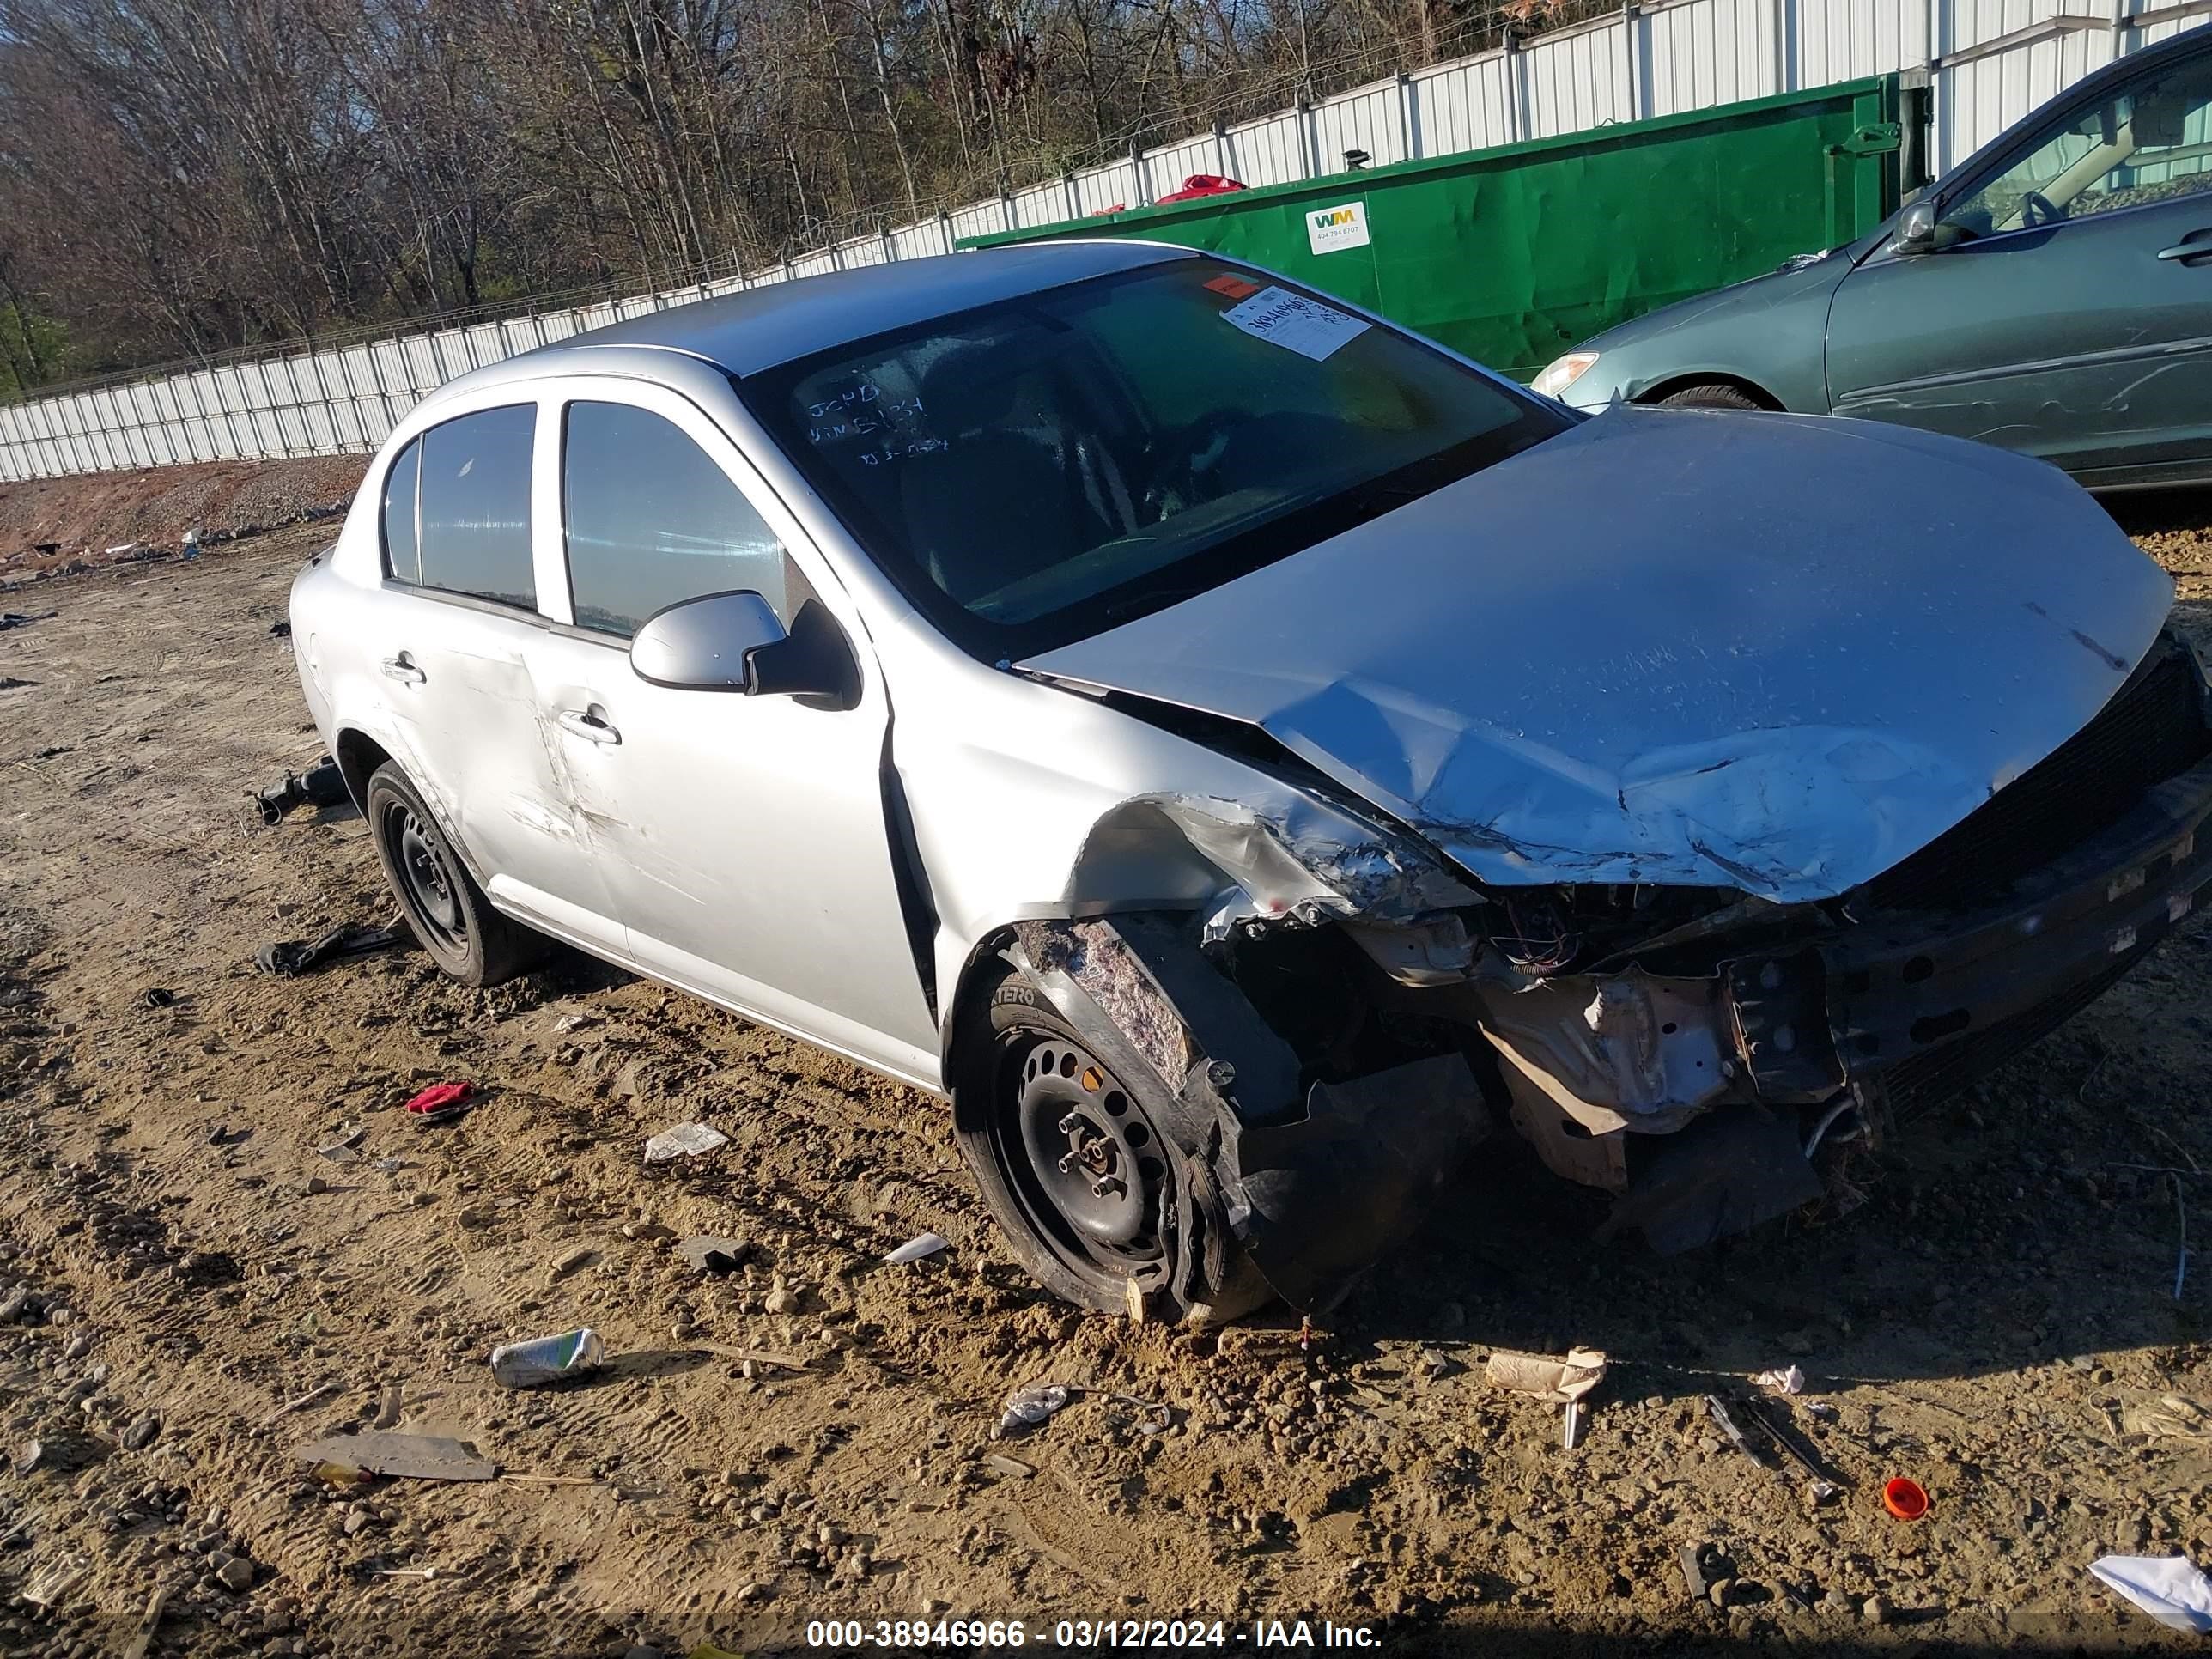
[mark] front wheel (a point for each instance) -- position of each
(444, 907)
(1713, 395)
(1092, 1197)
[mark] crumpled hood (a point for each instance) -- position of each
(1771, 652)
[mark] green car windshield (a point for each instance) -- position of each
(1036, 470)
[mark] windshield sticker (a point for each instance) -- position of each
(1235, 287)
(1295, 323)
(1332, 230)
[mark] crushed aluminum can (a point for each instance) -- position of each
(545, 1359)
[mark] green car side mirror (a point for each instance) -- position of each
(1916, 230)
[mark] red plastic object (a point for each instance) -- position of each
(442, 1099)
(1197, 184)
(1905, 1499)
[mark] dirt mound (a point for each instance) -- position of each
(54, 524)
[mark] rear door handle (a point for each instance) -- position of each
(588, 724)
(400, 668)
(2190, 248)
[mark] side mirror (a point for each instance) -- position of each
(707, 644)
(1917, 228)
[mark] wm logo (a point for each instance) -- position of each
(1332, 218)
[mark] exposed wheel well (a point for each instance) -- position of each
(1666, 389)
(358, 755)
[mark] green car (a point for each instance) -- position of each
(2053, 295)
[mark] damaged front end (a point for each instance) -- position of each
(1324, 1062)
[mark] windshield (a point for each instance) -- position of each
(1033, 471)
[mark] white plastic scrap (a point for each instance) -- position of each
(685, 1140)
(2169, 1588)
(1791, 1381)
(1028, 1407)
(915, 1248)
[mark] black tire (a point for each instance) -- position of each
(1712, 395)
(447, 910)
(1029, 1090)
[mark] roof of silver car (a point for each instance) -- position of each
(774, 323)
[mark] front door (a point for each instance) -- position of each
(747, 844)
(2070, 315)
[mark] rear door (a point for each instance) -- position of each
(746, 838)
(460, 549)
(2073, 321)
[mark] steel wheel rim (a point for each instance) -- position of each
(1087, 1167)
(428, 884)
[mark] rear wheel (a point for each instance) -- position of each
(1711, 395)
(1090, 1192)
(444, 907)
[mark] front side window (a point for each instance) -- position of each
(402, 556)
(652, 520)
(1036, 470)
(475, 517)
(2152, 143)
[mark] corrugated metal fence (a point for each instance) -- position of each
(1990, 63)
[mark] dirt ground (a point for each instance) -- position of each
(193, 1265)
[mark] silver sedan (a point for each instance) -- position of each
(1242, 754)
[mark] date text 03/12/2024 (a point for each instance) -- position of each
(1088, 1634)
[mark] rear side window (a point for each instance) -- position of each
(402, 557)
(652, 520)
(474, 518)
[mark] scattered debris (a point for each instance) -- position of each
(441, 1103)
(16, 619)
(569, 1261)
(2170, 1588)
(160, 996)
(290, 957)
(1717, 1410)
(148, 1621)
(28, 1456)
(320, 785)
(2170, 1417)
(1791, 1381)
(1562, 1382)
(1826, 1485)
(1906, 1499)
(1013, 1468)
(1696, 1558)
(710, 1254)
(280, 630)
(685, 1140)
(346, 1459)
(1558, 1381)
(547, 1358)
(1152, 1416)
(569, 1023)
(50, 1582)
(1028, 1407)
(313, 1397)
(345, 1148)
(915, 1250)
(387, 1413)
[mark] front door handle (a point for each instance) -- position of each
(400, 668)
(2189, 247)
(588, 724)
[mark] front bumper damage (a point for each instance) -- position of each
(1696, 1077)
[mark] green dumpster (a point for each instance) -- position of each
(1512, 254)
